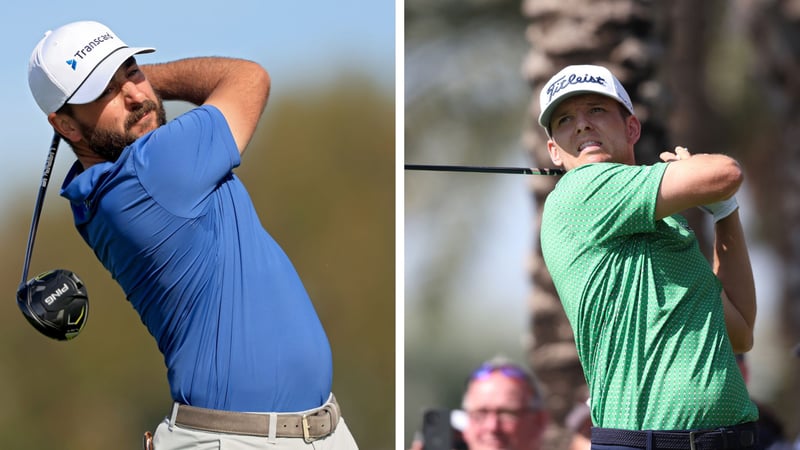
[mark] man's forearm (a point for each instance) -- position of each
(732, 266)
(192, 79)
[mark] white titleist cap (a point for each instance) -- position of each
(581, 79)
(74, 63)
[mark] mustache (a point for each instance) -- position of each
(135, 116)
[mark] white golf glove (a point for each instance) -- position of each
(721, 210)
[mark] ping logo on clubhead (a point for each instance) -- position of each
(54, 296)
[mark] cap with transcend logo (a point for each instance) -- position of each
(579, 79)
(74, 64)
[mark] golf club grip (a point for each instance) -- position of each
(486, 169)
(37, 209)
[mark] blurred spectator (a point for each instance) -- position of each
(502, 409)
(447, 434)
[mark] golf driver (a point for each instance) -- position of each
(54, 302)
(487, 169)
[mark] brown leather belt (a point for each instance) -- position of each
(310, 425)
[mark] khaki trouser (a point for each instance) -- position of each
(173, 437)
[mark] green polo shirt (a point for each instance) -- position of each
(643, 303)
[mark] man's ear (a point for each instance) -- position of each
(634, 129)
(554, 152)
(65, 126)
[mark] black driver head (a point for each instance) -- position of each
(55, 303)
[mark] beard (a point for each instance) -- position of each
(109, 144)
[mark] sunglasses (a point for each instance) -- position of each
(511, 371)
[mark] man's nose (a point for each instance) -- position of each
(582, 122)
(132, 93)
(492, 421)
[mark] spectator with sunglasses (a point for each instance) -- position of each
(503, 407)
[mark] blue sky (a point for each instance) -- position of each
(300, 43)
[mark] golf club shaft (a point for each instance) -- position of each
(486, 169)
(37, 209)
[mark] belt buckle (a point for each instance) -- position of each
(306, 429)
(692, 435)
(747, 438)
(696, 433)
(326, 409)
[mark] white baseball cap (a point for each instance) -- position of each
(74, 64)
(579, 79)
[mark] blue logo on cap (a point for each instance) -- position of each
(72, 63)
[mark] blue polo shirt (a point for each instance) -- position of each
(179, 233)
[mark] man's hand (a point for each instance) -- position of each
(679, 154)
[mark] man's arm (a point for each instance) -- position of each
(732, 266)
(697, 180)
(238, 88)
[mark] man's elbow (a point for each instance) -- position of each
(263, 77)
(742, 342)
(259, 80)
(732, 177)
